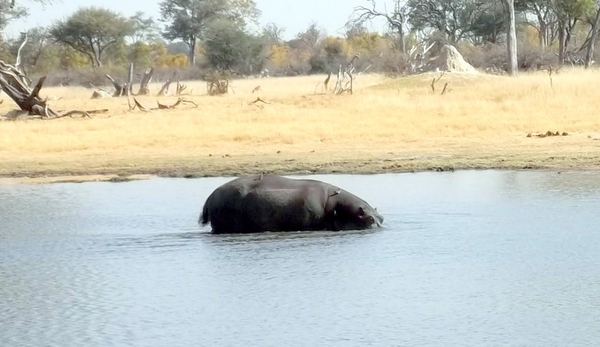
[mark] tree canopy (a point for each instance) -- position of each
(10, 12)
(190, 20)
(219, 32)
(145, 29)
(228, 47)
(91, 30)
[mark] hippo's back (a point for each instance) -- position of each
(265, 203)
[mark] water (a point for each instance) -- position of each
(465, 259)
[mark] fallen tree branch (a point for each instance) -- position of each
(160, 106)
(256, 103)
(445, 88)
(137, 104)
(43, 114)
(15, 85)
(71, 113)
(258, 99)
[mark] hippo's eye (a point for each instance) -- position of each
(361, 212)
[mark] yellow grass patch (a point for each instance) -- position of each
(387, 125)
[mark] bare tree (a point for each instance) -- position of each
(311, 38)
(273, 34)
(396, 19)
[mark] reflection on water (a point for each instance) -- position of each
(466, 258)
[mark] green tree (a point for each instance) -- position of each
(140, 54)
(230, 48)
(569, 12)
(454, 18)
(9, 13)
(6, 53)
(335, 51)
(91, 30)
(48, 60)
(117, 54)
(145, 29)
(490, 23)
(190, 20)
(71, 58)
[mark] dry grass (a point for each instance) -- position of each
(387, 125)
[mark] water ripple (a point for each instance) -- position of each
(468, 259)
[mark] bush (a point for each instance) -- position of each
(493, 57)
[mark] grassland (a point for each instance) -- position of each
(388, 125)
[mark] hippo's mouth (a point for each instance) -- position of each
(378, 220)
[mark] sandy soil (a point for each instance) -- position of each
(573, 152)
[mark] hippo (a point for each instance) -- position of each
(261, 203)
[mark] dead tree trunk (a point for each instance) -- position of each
(121, 89)
(16, 85)
(165, 88)
(144, 90)
(130, 80)
(345, 79)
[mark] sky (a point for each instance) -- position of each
(293, 16)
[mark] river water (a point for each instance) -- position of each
(469, 258)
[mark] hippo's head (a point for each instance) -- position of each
(349, 212)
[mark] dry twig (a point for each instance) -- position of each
(169, 107)
(256, 103)
(160, 106)
(445, 88)
(138, 105)
(436, 80)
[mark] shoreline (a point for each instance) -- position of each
(295, 164)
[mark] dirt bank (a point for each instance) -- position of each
(571, 152)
